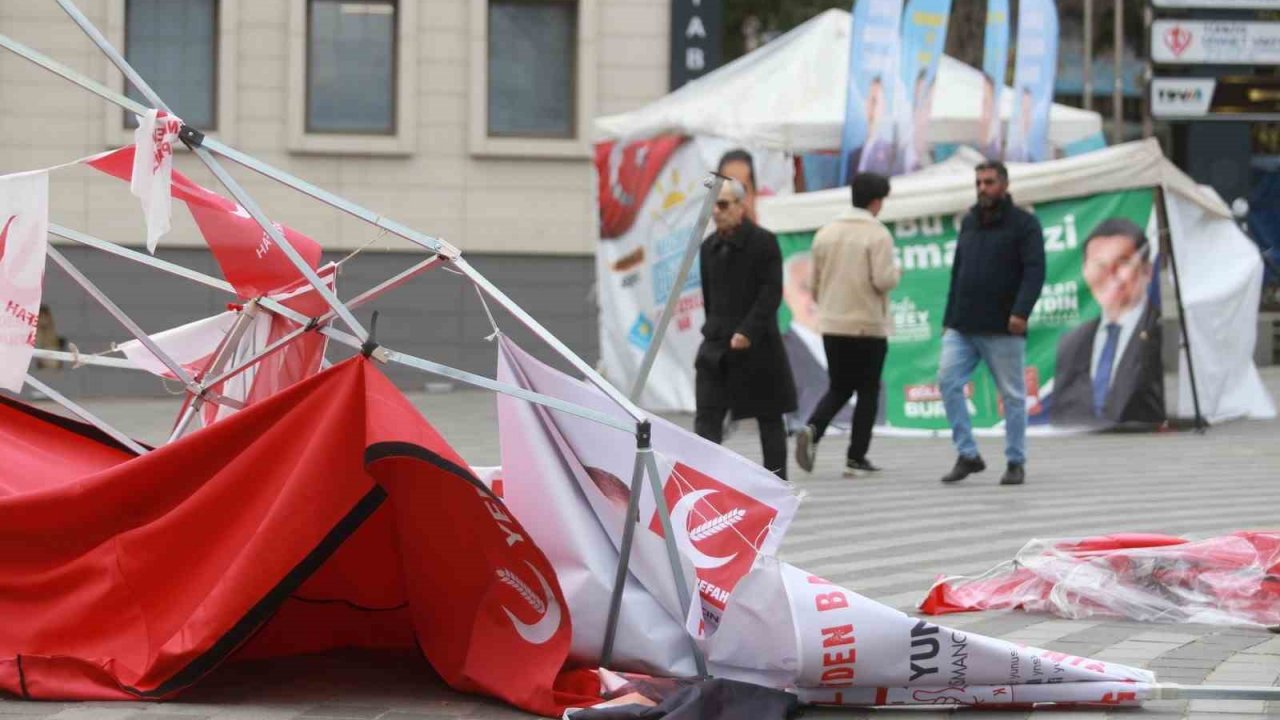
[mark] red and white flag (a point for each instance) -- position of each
(153, 170)
(24, 237)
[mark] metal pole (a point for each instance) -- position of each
(143, 258)
(624, 561)
(1174, 691)
(76, 358)
(563, 350)
(1086, 68)
(1162, 219)
(1148, 124)
(232, 186)
(1117, 91)
(713, 183)
(128, 323)
(226, 349)
(85, 415)
(673, 553)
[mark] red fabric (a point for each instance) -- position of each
(622, 190)
(1238, 574)
(248, 258)
(329, 515)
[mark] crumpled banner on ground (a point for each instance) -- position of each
(1229, 580)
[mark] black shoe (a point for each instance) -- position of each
(806, 448)
(861, 466)
(1015, 474)
(965, 466)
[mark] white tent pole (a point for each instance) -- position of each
(85, 415)
(624, 562)
(226, 350)
(237, 191)
(1174, 691)
(143, 258)
(713, 183)
(128, 323)
(78, 359)
(545, 335)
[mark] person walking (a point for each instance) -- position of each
(996, 279)
(741, 366)
(853, 272)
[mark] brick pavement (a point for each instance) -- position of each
(886, 537)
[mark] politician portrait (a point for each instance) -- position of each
(1109, 369)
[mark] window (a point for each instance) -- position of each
(531, 68)
(351, 67)
(173, 45)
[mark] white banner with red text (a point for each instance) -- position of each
(24, 239)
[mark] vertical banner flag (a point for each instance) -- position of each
(24, 236)
(867, 144)
(1033, 76)
(995, 64)
(153, 170)
(924, 36)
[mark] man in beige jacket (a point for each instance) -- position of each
(853, 272)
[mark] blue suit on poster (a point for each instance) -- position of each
(867, 143)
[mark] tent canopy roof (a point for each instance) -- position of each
(790, 95)
(948, 186)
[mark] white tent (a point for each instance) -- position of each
(790, 95)
(1220, 269)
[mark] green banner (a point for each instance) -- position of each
(924, 249)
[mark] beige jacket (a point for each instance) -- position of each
(853, 272)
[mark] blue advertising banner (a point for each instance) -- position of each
(995, 65)
(867, 144)
(924, 36)
(1033, 77)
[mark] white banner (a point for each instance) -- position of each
(636, 269)
(155, 135)
(725, 510)
(1225, 42)
(24, 238)
(1181, 97)
(841, 648)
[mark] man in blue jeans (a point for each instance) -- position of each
(995, 281)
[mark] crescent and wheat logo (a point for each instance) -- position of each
(545, 604)
(687, 539)
(4, 235)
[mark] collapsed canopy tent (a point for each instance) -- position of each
(789, 95)
(1220, 269)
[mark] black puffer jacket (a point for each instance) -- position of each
(998, 270)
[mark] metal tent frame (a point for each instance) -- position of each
(198, 390)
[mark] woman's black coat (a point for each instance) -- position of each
(741, 290)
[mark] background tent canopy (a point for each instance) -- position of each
(790, 95)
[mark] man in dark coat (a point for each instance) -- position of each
(741, 366)
(1109, 369)
(996, 279)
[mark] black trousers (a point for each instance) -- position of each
(709, 423)
(853, 366)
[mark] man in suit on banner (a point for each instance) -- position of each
(1109, 369)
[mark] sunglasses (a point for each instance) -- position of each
(725, 204)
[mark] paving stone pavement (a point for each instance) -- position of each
(886, 537)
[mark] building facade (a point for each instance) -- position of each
(469, 120)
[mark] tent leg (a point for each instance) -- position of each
(274, 233)
(1173, 691)
(1162, 217)
(673, 553)
(714, 183)
(85, 415)
(624, 560)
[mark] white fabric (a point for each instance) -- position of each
(1221, 276)
(790, 95)
(154, 137)
(948, 187)
(191, 345)
(24, 240)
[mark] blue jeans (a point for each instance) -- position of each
(1005, 357)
